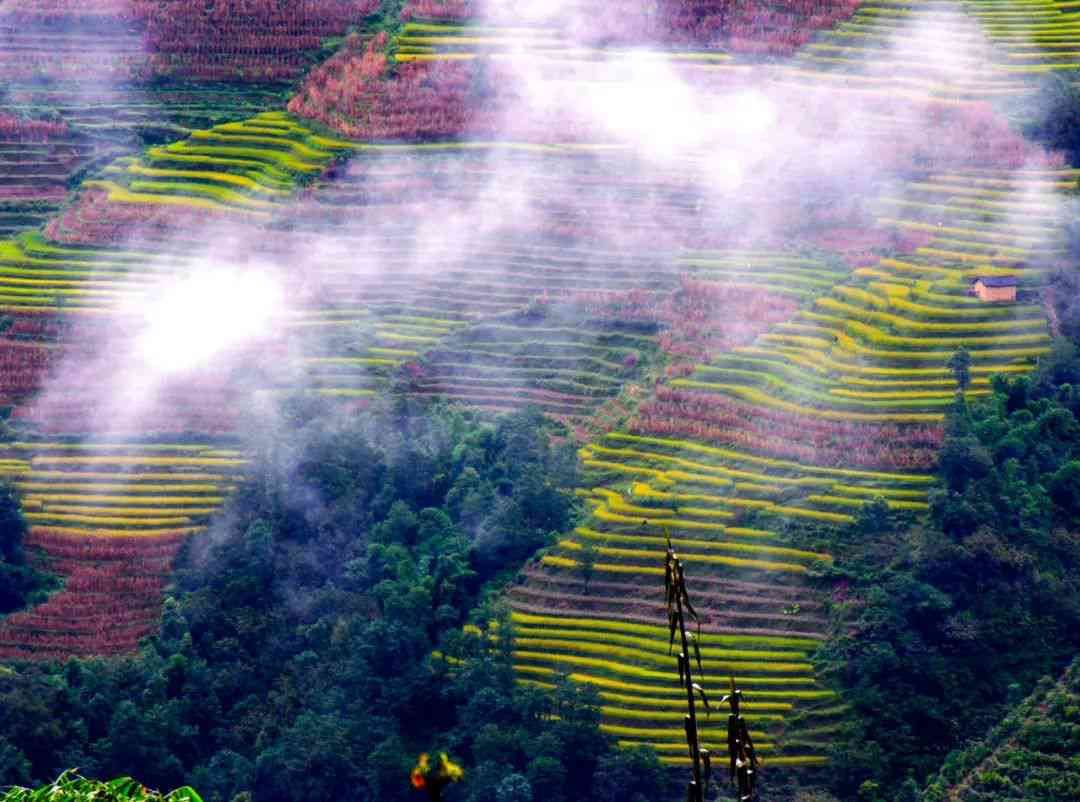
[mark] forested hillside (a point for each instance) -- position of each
(1030, 755)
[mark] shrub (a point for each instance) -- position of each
(1065, 489)
(70, 787)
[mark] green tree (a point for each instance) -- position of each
(909, 791)
(963, 460)
(295, 659)
(870, 791)
(1065, 489)
(514, 788)
(1053, 116)
(17, 580)
(497, 744)
(547, 777)
(314, 760)
(635, 775)
(18, 583)
(388, 767)
(14, 767)
(400, 526)
(227, 775)
(960, 364)
(874, 517)
(814, 796)
(927, 642)
(130, 739)
(12, 527)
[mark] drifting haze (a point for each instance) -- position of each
(190, 320)
(694, 157)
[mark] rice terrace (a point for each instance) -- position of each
(361, 361)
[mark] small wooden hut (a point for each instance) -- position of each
(996, 289)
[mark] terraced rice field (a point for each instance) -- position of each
(85, 75)
(399, 284)
(244, 167)
(947, 50)
(126, 117)
(567, 370)
(37, 50)
(35, 173)
(707, 25)
(840, 405)
(241, 171)
(446, 41)
(792, 417)
(108, 519)
(33, 180)
(876, 349)
(623, 655)
(798, 277)
(39, 276)
(1035, 37)
(935, 48)
(225, 41)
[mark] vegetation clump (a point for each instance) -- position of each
(1031, 756)
(71, 787)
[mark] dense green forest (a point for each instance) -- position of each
(295, 656)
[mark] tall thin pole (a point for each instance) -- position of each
(684, 658)
(678, 606)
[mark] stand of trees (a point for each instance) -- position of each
(1052, 116)
(295, 658)
(20, 585)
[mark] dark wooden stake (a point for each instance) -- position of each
(678, 606)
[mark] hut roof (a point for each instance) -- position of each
(997, 281)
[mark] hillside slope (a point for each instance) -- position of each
(1031, 756)
(746, 316)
